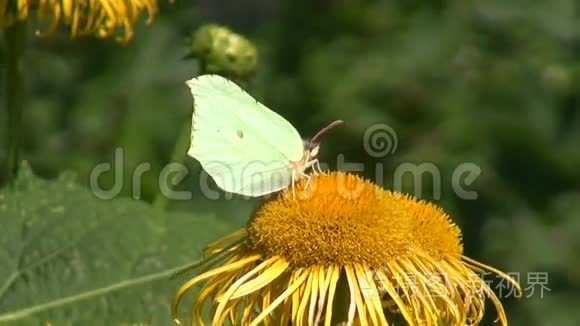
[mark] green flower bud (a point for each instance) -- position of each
(224, 52)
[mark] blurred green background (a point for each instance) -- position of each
(494, 83)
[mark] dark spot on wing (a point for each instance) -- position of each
(240, 134)
(230, 57)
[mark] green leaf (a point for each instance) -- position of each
(72, 259)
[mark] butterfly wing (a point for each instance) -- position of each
(244, 146)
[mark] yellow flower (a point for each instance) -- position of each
(398, 258)
(103, 18)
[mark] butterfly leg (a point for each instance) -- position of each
(303, 193)
(293, 181)
(314, 165)
(308, 179)
(317, 164)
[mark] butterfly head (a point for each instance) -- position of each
(310, 149)
(312, 146)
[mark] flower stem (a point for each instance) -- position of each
(15, 43)
(90, 294)
(179, 152)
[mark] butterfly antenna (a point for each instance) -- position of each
(323, 131)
